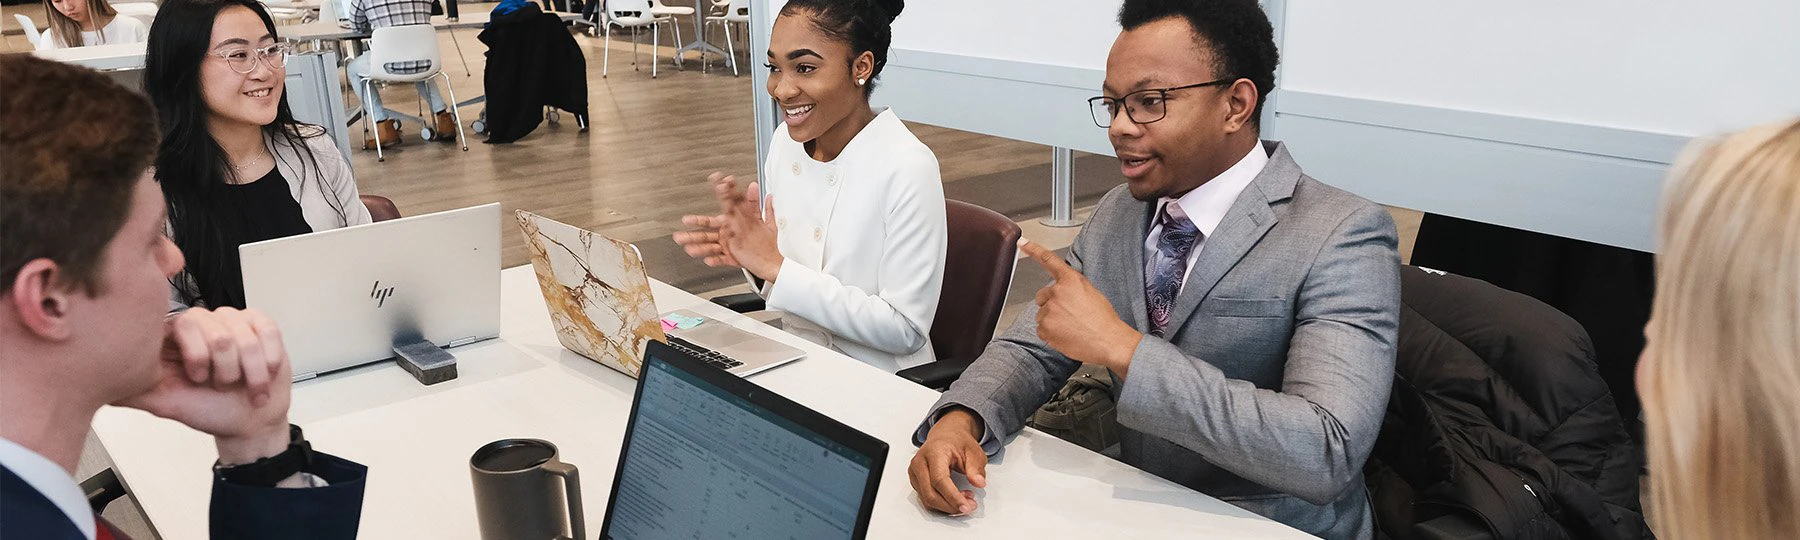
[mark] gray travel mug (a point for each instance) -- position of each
(520, 492)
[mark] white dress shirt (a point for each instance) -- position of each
(52, 481)
(864, 239)
(1206, 205)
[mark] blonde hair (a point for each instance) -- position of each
(1720, 379)
(68, 32)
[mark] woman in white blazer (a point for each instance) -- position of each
(851, 241)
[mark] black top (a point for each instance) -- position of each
(269, 210)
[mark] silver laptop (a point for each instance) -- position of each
(599, 299)
(346, 297)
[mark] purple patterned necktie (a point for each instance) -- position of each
(1164, 270)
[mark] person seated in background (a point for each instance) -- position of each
(80, 23)
(851, 241)
(1720, 376)
(84, 264)
(368, 15)
(234, 165)
(1248, 312)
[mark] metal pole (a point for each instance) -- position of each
(1062, 200)
(766, 116)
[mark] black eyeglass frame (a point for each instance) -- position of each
(1098, 103)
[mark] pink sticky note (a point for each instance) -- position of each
(667, 326)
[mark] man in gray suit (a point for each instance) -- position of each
(1248, 311)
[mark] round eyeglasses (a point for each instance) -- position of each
(244, 59)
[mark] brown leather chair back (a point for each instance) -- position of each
(381, 208)
(978, 270)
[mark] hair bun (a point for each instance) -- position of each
(890, 9)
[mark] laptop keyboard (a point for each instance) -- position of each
(709, 356)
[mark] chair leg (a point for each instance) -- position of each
(730, 49)
(454, 114)
(606, 57)
(368, 115)
(655, 41)
(634, 47)
(705, 67)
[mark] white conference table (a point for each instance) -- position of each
(111, 57)
(417, 441)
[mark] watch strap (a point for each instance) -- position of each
(268, 471)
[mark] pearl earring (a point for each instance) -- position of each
(859, 82)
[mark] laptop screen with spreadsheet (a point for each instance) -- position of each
(709, 455)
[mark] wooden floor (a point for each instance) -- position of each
(642, 164)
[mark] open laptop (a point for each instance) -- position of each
(600, 302)
(346, 297)
(709, 455)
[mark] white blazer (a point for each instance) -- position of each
(864, 239)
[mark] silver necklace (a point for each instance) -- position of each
(240, 168)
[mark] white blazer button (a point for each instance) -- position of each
(830, 179)
(781, 223)
(796, 169)
(818, 234)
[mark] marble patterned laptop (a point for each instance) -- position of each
(596, 289)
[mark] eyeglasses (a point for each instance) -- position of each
(244, 60)
(1142, 106)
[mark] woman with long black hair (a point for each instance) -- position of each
(234, 164)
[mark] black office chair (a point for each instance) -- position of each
(978, 269)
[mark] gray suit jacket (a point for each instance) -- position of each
(1271, 388)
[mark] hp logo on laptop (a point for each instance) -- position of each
(379, 294)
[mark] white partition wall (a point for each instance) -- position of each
(1557, 117)
(1020, 69)
(1673, 67)
(1010, 68)
(762, 18)
(313, 94)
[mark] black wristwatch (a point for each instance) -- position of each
(267, 472)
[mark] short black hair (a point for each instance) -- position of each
(865, 25)
(1237, 31)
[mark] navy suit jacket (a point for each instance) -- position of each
(238, 511)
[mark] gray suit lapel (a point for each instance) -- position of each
(1249, 219)
(1125, 257)
(1140, 307)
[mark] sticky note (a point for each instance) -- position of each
(673, 321)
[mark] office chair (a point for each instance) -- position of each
(380, 208)
(632, 15)
(32, 34)
(978, 271)
(409, 43)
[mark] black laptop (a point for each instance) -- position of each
(710, 455)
